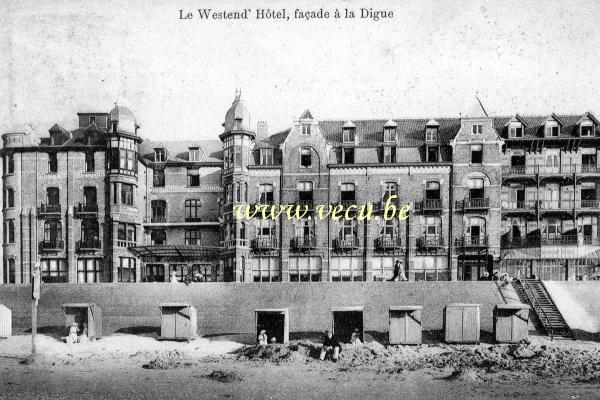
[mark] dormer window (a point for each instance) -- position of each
(552, 129)
(348, 135)
(114, 127)
(477, 129)
(515, 130)
(160, 155)
(586, 129)
(194, 154)
(389, 134)
(431, 134)
(266, 156)
(306, 129)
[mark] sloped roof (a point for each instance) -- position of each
(273, 141)
(534, 125)
(306, 115)
(211, 150)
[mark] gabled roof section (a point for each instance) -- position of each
(306, 114)
(390, 124)
(59, 129)
(349, 125)
(590, 116)
(477, 110)
(517, 118)
(211, 150)
(534, 125)
(432, 123)
(273, 141)
(556, 118)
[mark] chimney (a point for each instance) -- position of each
(262, 130)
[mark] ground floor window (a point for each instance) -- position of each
(89, 270)
(347, 269)
(305, 269)
(9, 271)
(126, 269)
(154, 273)
(431, 268)
(54, 270)
(203, 271)
(265, 269)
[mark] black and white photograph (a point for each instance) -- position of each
(268, 199)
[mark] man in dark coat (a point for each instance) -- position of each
(331, 345)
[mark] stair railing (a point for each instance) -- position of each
(533, 300)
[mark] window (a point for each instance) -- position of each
(54, 271)
(154, 273)
(205, 271)
(266, 156)
(126, 194)
(348, 135)
(89, 196)
(52, 163)
(265, 193)
(515, 130)
(90, 163)
(476, 188)
(389, 189)
(242, 230)
(552, 129)
(389, 154)
(305, 157)
(238, 157)
(158, 177)
(9, 231)
(477, 129)
(160, 155)
(90, 231)
(476, 154)
(432, 190)
(52, 196)
(9, 271)
(431, 135)
(306, 129)
(193, 237)
(348, 155)
(159, 210)
(92, 120)
(304, 229)
(194, 154)
(551, 229)
(126, 233)
(158, 237)
(123, 155)
(193, 177)
(9, 164)
(53, 233)
(432, 227)
(588, 159)
(126, 271)
(389, 134)
(347, 193)
(348, 231)
(433, 153)
(266, 229)
(89, 270)
(475, 229)
(192, 210)
(305, 191)
(9, 198)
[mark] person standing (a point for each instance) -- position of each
(399, 272)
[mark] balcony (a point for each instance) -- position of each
(85, 210)
(49, 209)
(518, 170)
(88, 245)
(519, 206)
(158, 219)
(429, 205)
(345, 244)
(263, 244)
(520, 242)
(589, 204)
(303, 242)
(430, 242)
(387, 243)
(565, 240)
(205, 220)
(471, 241)
(469, 204)
(51, 245)
(590, 169)
(557, 205)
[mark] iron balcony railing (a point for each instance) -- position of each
(527, 205)
(49, 245)
(516, 242)
(429, 205)
(515, 170)
(305, 204)
(88, 244)
(548, 205)
(471, 241)
(430, 241)
(388, 242)
(158, 219)
(346, 243)
(304, 242)
(590, 169)
(49, 209)
(589, 204)
(564, 240)
(85, 209)
(473, 203)
(263, 244)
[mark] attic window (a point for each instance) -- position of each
(266, 156)
(431, 134)
(194, 154)
(306, 129)
(348, 135)
(586, 129)
(92, 120)
(552, 129)
(477, 129)
(160, 155)
(389, 134)
(515, 130)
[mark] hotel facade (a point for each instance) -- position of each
(101, 204)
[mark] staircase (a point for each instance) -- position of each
(533, 292)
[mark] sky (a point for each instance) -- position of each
(179, 76)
